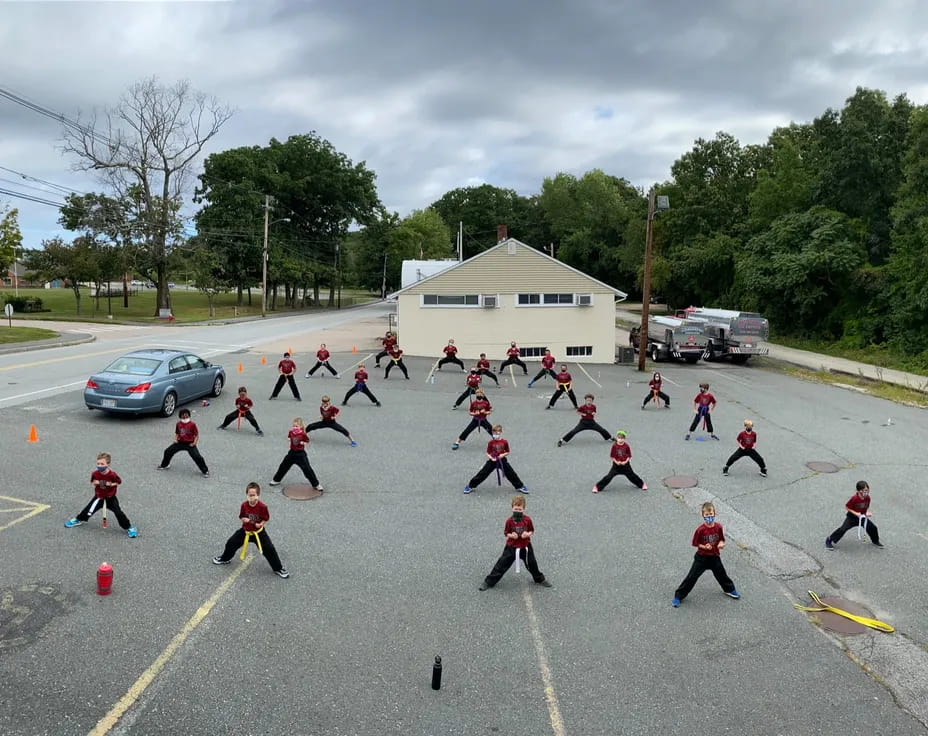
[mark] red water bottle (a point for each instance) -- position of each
(104, 579)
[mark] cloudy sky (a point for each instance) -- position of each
(434, 94)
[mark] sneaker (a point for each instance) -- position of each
(483, 586)
(879, 545)
(724, 471)
(307, 375)
(71, 523)
(299, 399)
(320, 489)
(675, 603)
(221, 426)
(206, 474)
(560, 443)
(344, 403)
(642, 407)
(829, 545)
(544, 584)
(644, 486)
(595, 489)
(549, 406)
(713, 436)
(687, 437)
(274, 483)
(337, 375)
(353, 443)
(530, 384)
(524, 490)
(455, 445)
(282, 573)
(666, 406)
(454, 407)
(272, 398)
(733, 594)
(220, 561)
(763, 473)
(377, 403)
(467, 489)
(161, 467)
(259, 433)
(132, 532)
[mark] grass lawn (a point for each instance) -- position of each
(188, 306)
(22, 334)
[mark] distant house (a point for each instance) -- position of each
(414, 271)
(510, 292)
(15, 275)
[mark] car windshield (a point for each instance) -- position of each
(133, 366)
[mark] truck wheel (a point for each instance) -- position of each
(709, 354)
(691, 359)
(655, 354)
(740, 359)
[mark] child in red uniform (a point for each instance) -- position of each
(512, 358)
(396, 359)
(322, 360)
(328, 411)
(287, 369)
(472, 384)
(547, 368)
(564, 386)
(451, 356)
(105, 483)
(703, 405)
(360, 385)
(518, 531)
(296, 455)
(242, 409)
(497, 458)
(655, 392)
(254, 516)
(587, 411)
(483, 368)
(858, 514)
(746, 441)
(389, 342)
(709, 540)
(479, 411)
(621, 455)
(186, 436)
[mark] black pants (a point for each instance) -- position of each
(467, 392)
(485, 372)
(450, 359)
(583, 425)
(301, 460)
(280, 384)
(489, 466)
(850, 521)
(399, 364)
(512, 360)
(235, 542)
(475, 423)
(362, 388)
(505, 562)
(701, 563)
(112, 504)
(740, 453)
(700, 415)
(545, 372)
(184, 447)
(233, 415)
(660, 395)
(560, 392)
(330, 424)
(381, 354)
(320, 364)
(617, 469)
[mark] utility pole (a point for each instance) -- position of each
(338, 273)
(460, 240)
(383, 287)
(655, 204)
(267, 210)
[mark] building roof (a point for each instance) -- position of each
(416, 271)
(506, 244)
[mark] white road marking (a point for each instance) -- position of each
(44, 390)
(554, 712)
(363, 360)
(580, 366)
(434, 366)
(723, 374)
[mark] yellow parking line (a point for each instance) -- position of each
(32, 508)
(69, 357)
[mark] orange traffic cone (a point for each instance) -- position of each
(33, 435)
(263, 360)
(354, 348)
(290, 350)
(241, 368)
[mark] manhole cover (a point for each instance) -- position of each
(822, 467)
(680, 481)
(839, 624)
(301, 492)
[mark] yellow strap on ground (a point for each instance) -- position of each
(862, 620)
(248, 539)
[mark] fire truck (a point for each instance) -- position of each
(671, 338)
(729, 333)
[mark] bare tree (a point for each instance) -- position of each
(150, 143)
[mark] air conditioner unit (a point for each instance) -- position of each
(584, 300)
(489, 301)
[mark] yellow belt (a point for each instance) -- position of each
(869, 622)
(248, 539)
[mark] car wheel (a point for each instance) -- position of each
(217, 386)
(655, 354)
(169, 404)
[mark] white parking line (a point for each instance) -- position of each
(723, 374)
(43, 390)
(580, 366)
(363, 360)
(198, 343)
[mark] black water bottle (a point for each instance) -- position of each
(436, 674)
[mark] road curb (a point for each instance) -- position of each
(79, 338)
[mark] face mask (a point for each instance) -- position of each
(703, 390)
(185, 419)
(101, 468)
(497, 436)
(708, 519)
(517, 515)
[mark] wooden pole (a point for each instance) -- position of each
(646, 284)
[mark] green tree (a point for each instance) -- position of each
(366, 253)
(481, 208)
(422, 234)
(73, 263)
(787, 184)
(11, 238)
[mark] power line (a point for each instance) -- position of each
(64, 189)
(31, 198)
(35, 107)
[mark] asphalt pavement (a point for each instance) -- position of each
(385, 565)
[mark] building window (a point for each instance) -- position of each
(545, 300)
(528, 299)
(558, 298)
(532, 352)
(450, 300)
(575, 350)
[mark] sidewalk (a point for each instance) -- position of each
(63, 340)
(826, 363)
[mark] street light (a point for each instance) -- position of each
(655, 204)
(267, 226)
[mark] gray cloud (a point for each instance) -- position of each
(438, 95)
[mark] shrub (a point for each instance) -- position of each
(24, 304)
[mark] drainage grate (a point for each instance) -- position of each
(301, 492)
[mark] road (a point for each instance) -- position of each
(385, 566)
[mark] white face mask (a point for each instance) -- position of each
(497, 436)
(185, 419)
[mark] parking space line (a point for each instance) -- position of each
(721, 374)
(434, 366)
(512, 372)
(44, 390)
(105, 724)
(30, 507)
(554, 712)
(363, 360)
(580, 366)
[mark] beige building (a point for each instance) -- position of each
(510, 292)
